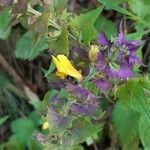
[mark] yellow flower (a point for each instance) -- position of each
(94, 49)
(45, 125)
(65, 68)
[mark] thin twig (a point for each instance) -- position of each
(17, 79)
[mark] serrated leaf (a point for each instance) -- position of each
(3, 119)
(60, 45)
(126, 121)
(86, 26)
(4, 24)
(80, 131)
(25, 48)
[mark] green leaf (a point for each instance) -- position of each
(48, 96)
(80, 131)
(41, 24)
(4, 81)
(50, 70)
(111, 4)
(126, 121)
(86, 27)
(3, 119)
(49, 146)
(25, 48)
(134, 96)
(23, 130)
(57, 6)
(144, 132)
(35, 117)
(102, 24)
(60, 45)
(141, 9)
(4, 24)
(13, 144)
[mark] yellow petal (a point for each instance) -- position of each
(60, 74)
(57, 63)
(45, 125)
(63, 65)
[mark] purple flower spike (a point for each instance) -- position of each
(56, 100)
(124, 72)
(103, 84)
(57, 121)
(133, 59)
(101, 61)
(102, 39)
(133, 45)
(121, 53)
(82, 94)
(121, 38)
(85, 110)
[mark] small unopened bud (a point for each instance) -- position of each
(94, 49)
(45, 126)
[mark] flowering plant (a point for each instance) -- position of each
(96, 91)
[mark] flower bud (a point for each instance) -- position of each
(45, 125)
(94, 49)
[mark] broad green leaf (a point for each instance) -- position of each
(126, 121)
(13, 144)
(102, 24)
(134, 96)
(85, 24)
(23, 130)
(144, 132)
(35, 117)
(80, 131)
(25, 48)
(60, 45)
(141, 9)
(3, 119)
(4, 24)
